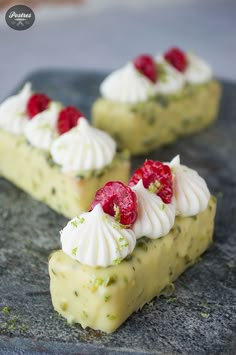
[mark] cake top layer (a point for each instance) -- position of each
(61, 132)
(147, 207)
(147, 76)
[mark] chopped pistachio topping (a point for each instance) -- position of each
(95, 283)
(106, 298)
(74, 223)
(163, 206)
(81, 219)
(205, 315)
(122, 244)
(5, 310)
(155, 186)
(63, 306)
(111, 316)
(118, 226)
(110, 280)
(53, 271)
(171, 299)
(117, 261)
(117, 213)
(74, 251)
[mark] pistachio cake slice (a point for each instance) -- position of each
(135, 241)
(53, 153)
(151, 101)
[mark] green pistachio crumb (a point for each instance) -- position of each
(53, 191)
(74, 223)
(81, 219)
(117, 213)
(95, 283)
(110, 280)
(171, 299)
(122, 244)
(76, 293)
(106, 298)
(74, 251)
(63, 306)
(154, 186)
(205, 315)
(5, 310)
(117, 261)
(118, 226)
(53, 271)
(111, 316)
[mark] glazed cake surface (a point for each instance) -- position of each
(33, 170)
(143, 126)
(103, 298)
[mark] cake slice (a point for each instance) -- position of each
(151, 102)
(133, 243)
(54, 154)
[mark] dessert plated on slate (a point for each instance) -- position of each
(54, 154)
(152, 101)
(135, 240)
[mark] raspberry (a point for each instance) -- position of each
(68, 118)
(146, 65)
(117, 200)
(177, 58)
(36, 104)
(156, 177)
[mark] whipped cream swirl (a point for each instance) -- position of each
(170, 81)
(127, 85)
(41, 130)
(190, 189)
(83, 148)
(155, 218)
(13, 115)
(96, 239)
(198, 71)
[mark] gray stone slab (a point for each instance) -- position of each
(201, 316)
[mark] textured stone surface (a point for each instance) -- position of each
(200, 318)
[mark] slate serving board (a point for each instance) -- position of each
(200, 318)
